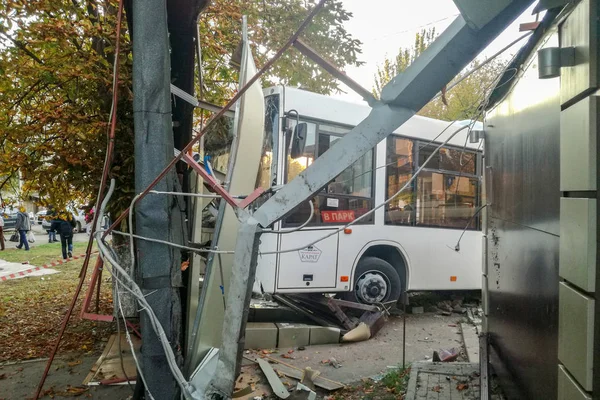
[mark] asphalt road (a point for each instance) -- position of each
(41, 237)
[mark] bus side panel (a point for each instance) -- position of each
(433, 264)
(311, 268)
(267, 264)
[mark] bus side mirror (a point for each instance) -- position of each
(299, 140)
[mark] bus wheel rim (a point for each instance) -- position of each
(372, 287)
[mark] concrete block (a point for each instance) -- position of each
(324, 335)
(417, 310)
(293, 335)
(261, 335)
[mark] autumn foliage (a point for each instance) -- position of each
(55, 94)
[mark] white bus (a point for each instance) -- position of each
(406, 246)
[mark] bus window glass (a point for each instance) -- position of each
(447, 159)
(295, 166)
(344, 199)
(446, 200)
(355, 180)
(399, 166)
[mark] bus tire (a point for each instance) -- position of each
(375, 281)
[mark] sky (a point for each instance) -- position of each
(384, 26)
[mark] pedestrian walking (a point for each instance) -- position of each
(51, 216)
(23, 226)
(64, 227)
(1, 232)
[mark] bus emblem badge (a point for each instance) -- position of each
(310, 255)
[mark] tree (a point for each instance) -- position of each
(55, 98)
(462, 102)
(55, 95)
(405, 57)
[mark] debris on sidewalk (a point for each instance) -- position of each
(443, 355)
(290, 371)
(279, 389)
(107, 370)
(334, 363)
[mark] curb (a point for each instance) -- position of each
(50, 265)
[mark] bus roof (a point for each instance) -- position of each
(326, 108)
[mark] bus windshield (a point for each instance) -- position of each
(350, 194)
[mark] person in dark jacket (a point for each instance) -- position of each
(23, 226)
(64, 225)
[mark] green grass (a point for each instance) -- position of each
(41, 254)
(391, 387)
(32, 308)
(396, 380)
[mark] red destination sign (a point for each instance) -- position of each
(337, 216)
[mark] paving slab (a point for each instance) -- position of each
(471, 341)
(424, 334)
(448, 381)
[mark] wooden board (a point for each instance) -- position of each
(108, 366)
(296, 373)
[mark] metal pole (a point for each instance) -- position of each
(404, 331)
(158, 271)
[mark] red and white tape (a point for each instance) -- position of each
(50, 265)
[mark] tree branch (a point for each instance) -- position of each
(21, 46)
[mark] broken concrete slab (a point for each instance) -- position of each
(429, 381)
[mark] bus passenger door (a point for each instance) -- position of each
(313, 267)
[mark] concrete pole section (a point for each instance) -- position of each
(157, 266)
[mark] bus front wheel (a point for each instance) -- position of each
(375, 281)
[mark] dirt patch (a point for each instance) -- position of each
(32, 308)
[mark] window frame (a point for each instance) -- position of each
(417, 145)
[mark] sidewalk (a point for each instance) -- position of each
(14, 270)
(19, 380)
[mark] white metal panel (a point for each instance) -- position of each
(580, 30)
(578, 131)
(380, 181)
(265, 274)
(243, 178)
(576, 334)
(311, 268)
(568, 389)
(429, 253)
(578, 242)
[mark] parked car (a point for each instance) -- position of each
(80, 224)
(10, 218)
(40, 215)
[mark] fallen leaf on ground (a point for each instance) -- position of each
(436, 389)
(74, 363)
(462, 386)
